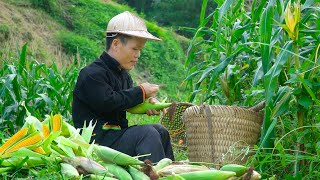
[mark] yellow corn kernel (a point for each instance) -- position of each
(15, 138)
(45, 130)
(56, 123)
(25, 143)
(39, 150)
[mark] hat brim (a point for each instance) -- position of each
(141, 34)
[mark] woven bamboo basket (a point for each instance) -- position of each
(221, 134)
(172, 120)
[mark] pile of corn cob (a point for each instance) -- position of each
(54, 140)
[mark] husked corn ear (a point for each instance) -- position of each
(57, 123)
(25, 143)
(45, 131)
(39, 150)
(15, 138)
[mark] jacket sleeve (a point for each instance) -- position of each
(100, 96)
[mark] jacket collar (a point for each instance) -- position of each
(110, 62)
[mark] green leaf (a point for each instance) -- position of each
(203, 12)
(271, 77)
(258, 74)
(281, 104)
(87, 131)
(309, 90)
(305, 101)
(23, 57)
(265, 35)
(256, 12)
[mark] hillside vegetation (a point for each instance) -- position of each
(73, 32)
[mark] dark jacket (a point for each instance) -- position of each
(102, 93)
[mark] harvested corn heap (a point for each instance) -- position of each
(54, 141)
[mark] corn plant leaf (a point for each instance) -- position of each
(203, 11)
(271, 77)
(258, 74)
(23, 57)
(307, 4)
(309, 90)
(266, 137)
(265, 35)
(256, 11)
(222, 11)
(305, 101)
(281, 104)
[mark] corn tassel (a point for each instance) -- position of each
(14, 139)
(57, 123)
(45, 131)
(26, 142)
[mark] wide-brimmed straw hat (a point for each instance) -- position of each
(129, 24)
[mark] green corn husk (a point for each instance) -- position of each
(180, 168)
(68, 171)
(5, 169)
(204, 175)
(87, 131)
(89, 166)
(100, 177)
(238, 169)
(136, 174)
(108, 155)
(162, 163)
(175, 177)
(118, 171)
(143, 107)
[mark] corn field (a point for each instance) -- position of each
(271, 53)
(36, 87)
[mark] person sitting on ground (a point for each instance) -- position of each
(104, 90)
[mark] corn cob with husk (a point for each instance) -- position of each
(86, 166)
(136, 174)
(204, 175)
(162, 164)
(101, 177)
(30, 141)
(118, 171)
(180, 168)
(68, 171)
(108, 155)
(56, 123)
(143, 107)
(238, 169)
(14, 139)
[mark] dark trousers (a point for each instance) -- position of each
(151, 139)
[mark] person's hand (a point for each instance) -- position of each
(150, 89)
(151, 112)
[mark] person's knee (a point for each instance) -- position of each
(149, 131)
(161, 129)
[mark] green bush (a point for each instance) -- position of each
(74, 44)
